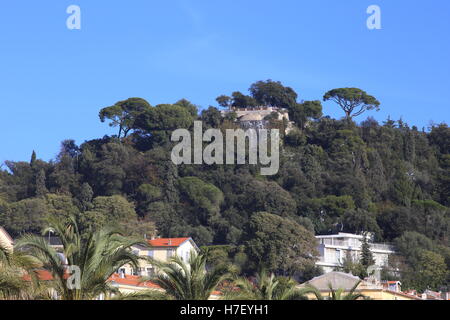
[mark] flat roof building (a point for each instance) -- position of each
(333, 249)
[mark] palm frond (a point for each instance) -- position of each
(97, 258)
(143, 295)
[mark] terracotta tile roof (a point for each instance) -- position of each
(43, 275)
(130, 280)
(167, 242)
(404, 294)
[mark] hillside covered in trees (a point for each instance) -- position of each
(336, 175)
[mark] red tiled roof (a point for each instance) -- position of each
(167, 242)
(43, 275)
(405, 294)
(130, 280)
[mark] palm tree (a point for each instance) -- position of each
(265, 287)
(143, 295)
(14, 265)
(336, 294)
(93, 259)
(188, 280)
(340, 294)
(11, 284)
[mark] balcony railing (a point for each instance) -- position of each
(356, 244)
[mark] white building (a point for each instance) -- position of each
(161, 249)
(333, 249)
(256, 117)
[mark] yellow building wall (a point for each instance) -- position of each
(372, 294)
(160, 254)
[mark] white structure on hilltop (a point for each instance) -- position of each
(333, 249)
(256, 117)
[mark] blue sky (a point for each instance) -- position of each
(54, 80)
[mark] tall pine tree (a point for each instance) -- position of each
(366, 259)
(41, 189)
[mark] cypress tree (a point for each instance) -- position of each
(85, 196)
(41, 189)
(367, 259)
(33, 158)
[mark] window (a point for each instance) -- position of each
(169, 253)
(141, 271)
(150, 253)
(338, 256)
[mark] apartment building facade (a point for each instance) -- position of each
(333, 249)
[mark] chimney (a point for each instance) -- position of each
(170, 242)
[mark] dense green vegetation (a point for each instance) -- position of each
(335, 175)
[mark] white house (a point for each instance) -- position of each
(161, 249)
(334, 248)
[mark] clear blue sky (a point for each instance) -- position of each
(53, 80)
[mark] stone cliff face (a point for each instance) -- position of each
(254, 124)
